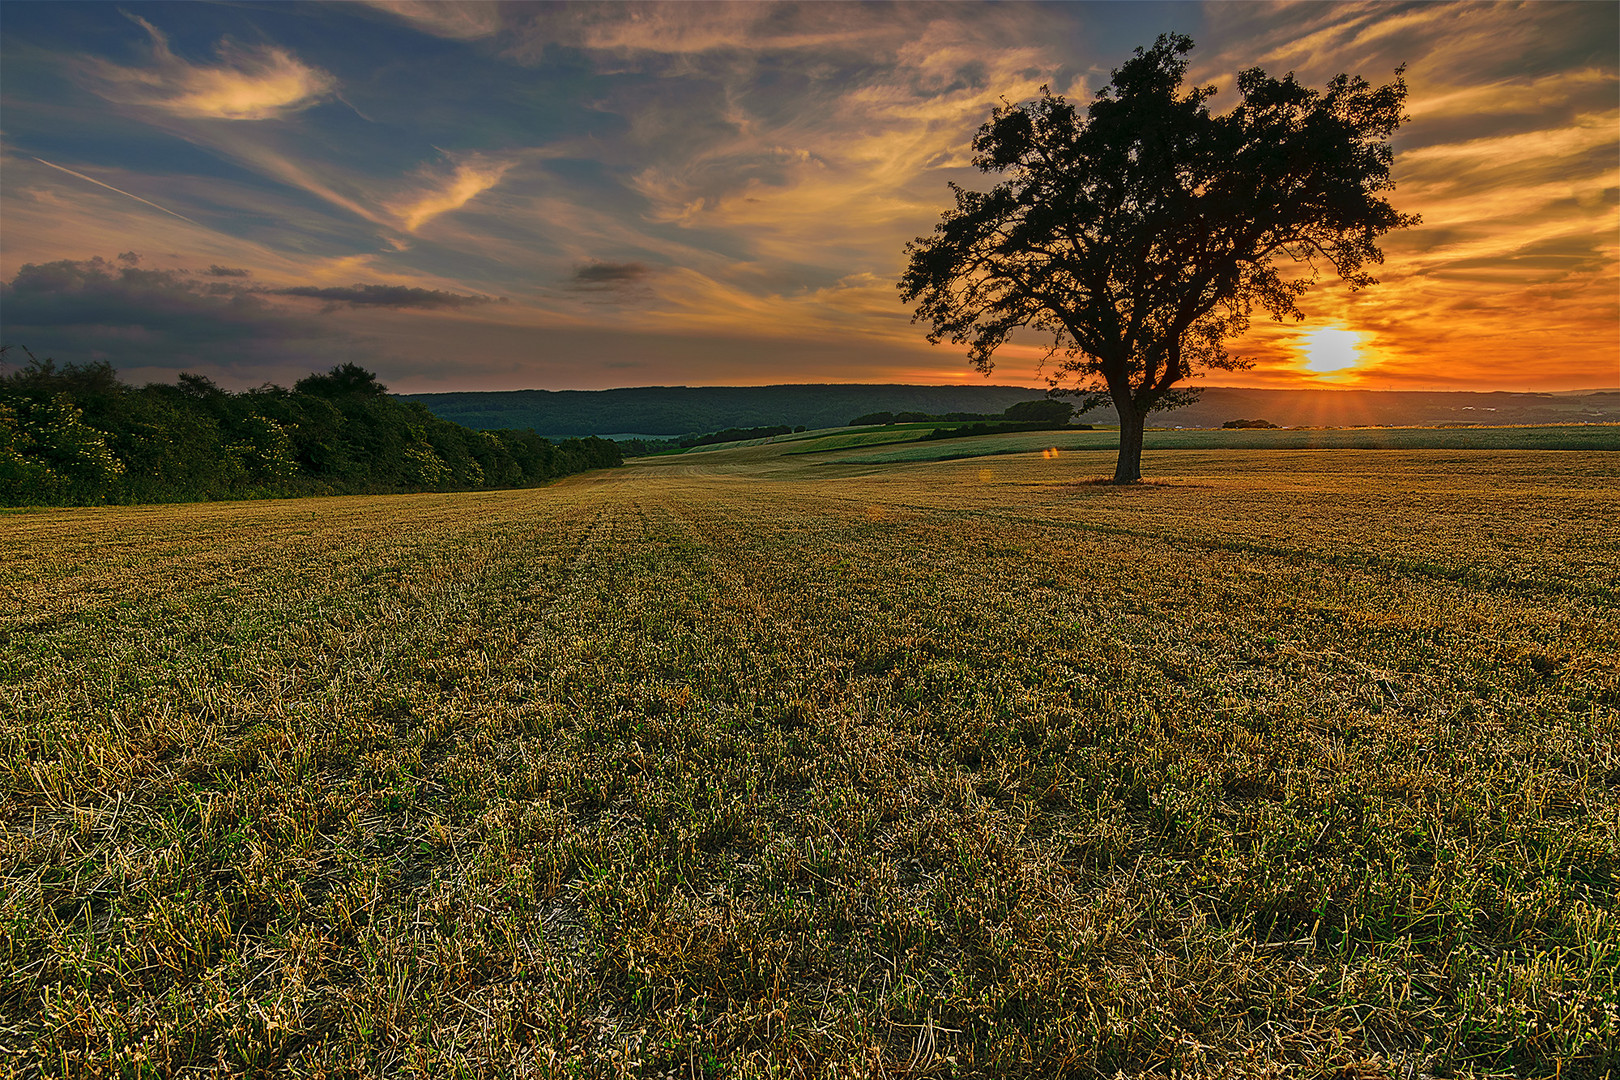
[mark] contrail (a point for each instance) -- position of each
(120, 191)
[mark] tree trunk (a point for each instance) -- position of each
(1131, 425)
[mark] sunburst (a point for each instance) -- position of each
(1331, 350)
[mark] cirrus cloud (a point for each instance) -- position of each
(465, 20)
(440, 193)
(248, 83)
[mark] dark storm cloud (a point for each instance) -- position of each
(97, 309)
(99, 294)
(607, 275)
(386, 296)
(227, 271)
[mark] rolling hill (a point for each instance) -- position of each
(675, 410)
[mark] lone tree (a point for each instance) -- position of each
(1140, 236)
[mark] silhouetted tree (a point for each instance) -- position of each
(1139, 236)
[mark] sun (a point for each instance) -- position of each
(1331, 349)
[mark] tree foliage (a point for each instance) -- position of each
(1139, 236)
(1044, 411)
(76, 435)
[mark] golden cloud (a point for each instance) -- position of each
(694, 28)
(832, 174)
(469, 177)
(265, 83)
(465, 20)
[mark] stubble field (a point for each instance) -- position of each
(1294, 763)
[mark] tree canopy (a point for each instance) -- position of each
(76, 435)
(1138, 237)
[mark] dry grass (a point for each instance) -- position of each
(1299, 764)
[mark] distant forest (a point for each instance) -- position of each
(689, 410)
(77, 436)
(680, 410)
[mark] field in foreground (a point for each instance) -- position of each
(1293, 764)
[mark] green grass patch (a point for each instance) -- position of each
(868, 437)
(1560, 437)
(826, 439)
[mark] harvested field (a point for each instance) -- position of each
(1289, 763)
(1602, 437)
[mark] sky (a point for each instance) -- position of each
(475, 196)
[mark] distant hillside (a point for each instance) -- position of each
(676, 410)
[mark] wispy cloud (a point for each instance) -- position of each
(439, 193)
(855, 148)
(654, 27)
(327, 181)
(248, 83)
(465, 20)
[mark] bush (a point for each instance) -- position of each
(1045, 410)
(736, 435)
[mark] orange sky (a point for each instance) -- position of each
(474, 196)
